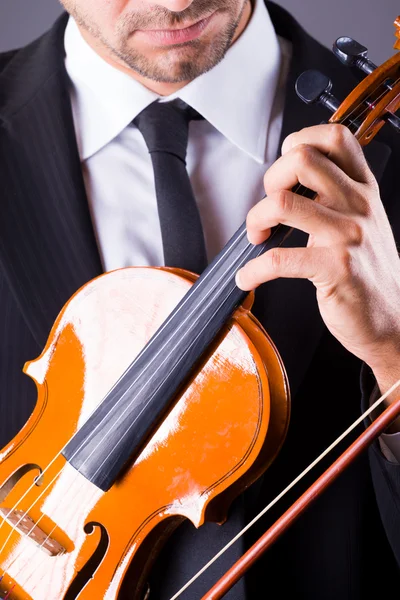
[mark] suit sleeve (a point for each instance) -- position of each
(385, 476)
(389, 442)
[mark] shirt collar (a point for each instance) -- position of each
(236, 96)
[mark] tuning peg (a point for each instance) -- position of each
(313, 87)
(353, 54)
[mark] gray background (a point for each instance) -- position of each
(368, 21)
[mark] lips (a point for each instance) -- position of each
(167, 37)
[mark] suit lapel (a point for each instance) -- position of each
(47, 245)
(288, 307)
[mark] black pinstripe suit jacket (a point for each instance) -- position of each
(348, 543)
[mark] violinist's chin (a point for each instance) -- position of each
(168, 41)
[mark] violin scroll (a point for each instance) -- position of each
(397, 34)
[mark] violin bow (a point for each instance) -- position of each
(371, 433)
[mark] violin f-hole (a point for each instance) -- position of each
(87, 572)
(12, 481)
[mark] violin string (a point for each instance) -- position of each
(55, 526)
(157, 333)
(198, 334)
(162, 327)
(367, 108)
(247, 250)
(51, 532)
(286, 490)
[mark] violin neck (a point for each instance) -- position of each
(118, 429)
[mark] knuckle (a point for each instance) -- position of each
(345, 263)
(363, 202)
(275, 258)
(283, 202)
(305, 155)
(354, 232)
(339, 135)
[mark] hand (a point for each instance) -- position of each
(351, 255)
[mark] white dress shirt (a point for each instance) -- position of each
(228, 154)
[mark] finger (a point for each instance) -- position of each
(337, 143)
(302, 263)
(301, 213)
(306, 165)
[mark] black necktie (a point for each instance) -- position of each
(165, 128)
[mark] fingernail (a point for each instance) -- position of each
(237, 280)
(284, 147)
(287, 144)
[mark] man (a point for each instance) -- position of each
(235, 62)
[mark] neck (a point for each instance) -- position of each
(160, 88)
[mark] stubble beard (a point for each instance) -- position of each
(180, 63)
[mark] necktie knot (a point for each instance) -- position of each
(165, 127)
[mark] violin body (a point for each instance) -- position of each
(61, 536)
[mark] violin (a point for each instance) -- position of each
(134, 429)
